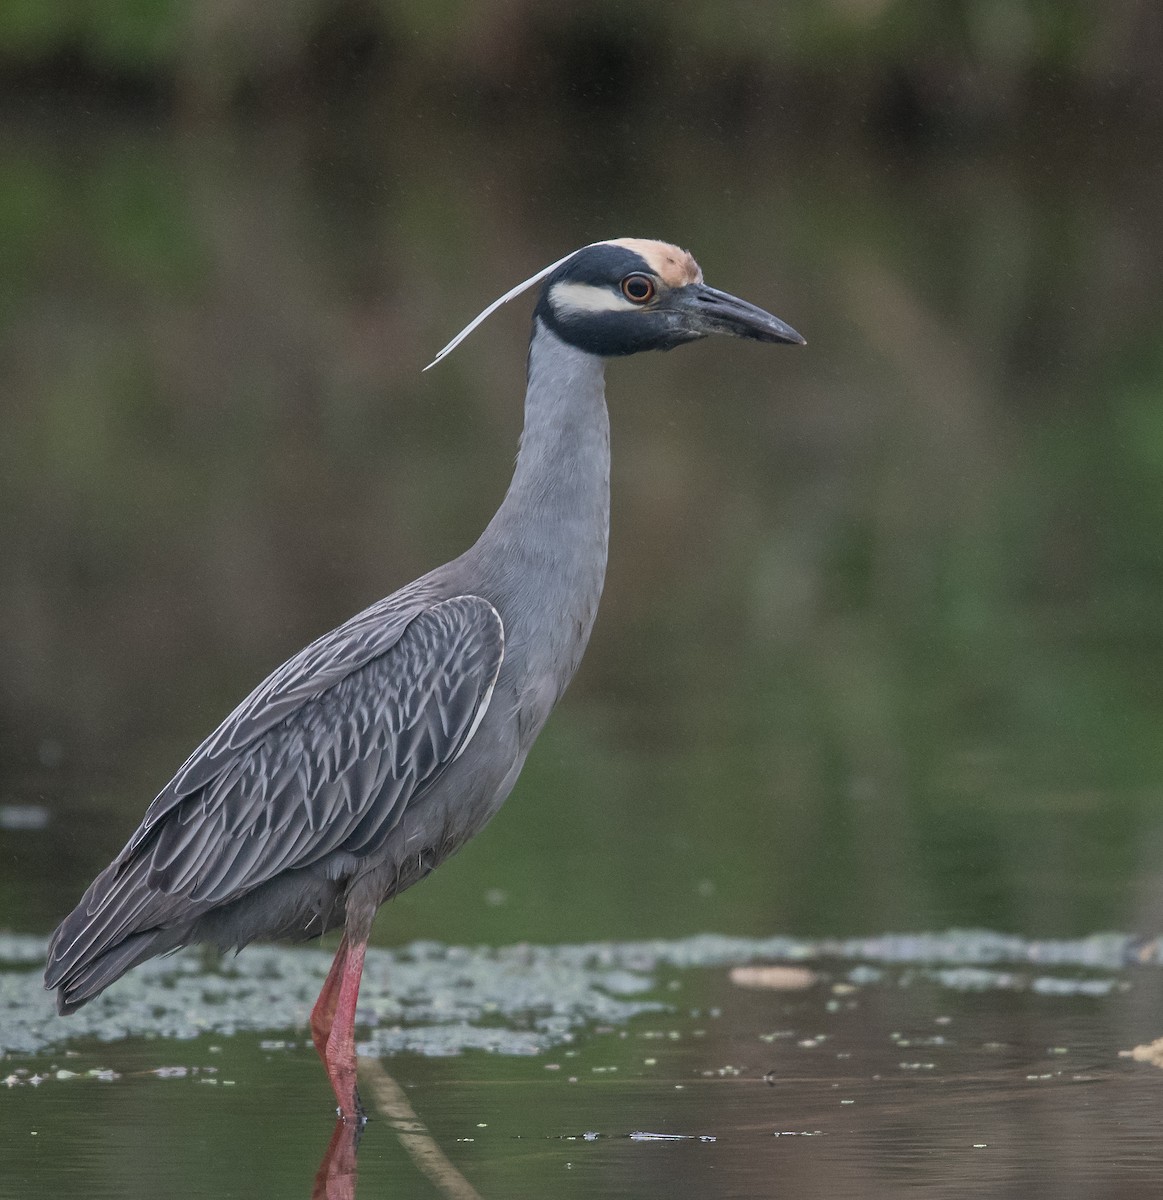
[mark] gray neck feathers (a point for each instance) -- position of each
(544, 553)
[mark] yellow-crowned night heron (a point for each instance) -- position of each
(382, 747)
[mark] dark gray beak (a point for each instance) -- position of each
(705, 310)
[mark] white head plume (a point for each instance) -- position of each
(509, 295)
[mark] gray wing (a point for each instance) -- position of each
(305, 676)
(332, 774)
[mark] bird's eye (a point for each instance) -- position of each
(638, 288)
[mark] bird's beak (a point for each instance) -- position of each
(705, 310)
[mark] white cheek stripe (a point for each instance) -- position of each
(585, 297)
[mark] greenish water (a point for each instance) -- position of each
(941, 1063)
(880, 649)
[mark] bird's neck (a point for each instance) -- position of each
(545, 550)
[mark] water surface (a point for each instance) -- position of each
(943, 1064)
(880, 649)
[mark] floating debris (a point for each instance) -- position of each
(1151, 1053)
(22, 948)
(439, 1000)
(426, 999)
(781, 979)
(642, 1136)
(22, 818)
(24, 1078)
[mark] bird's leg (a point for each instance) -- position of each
(339, 1056)
(324, 1011)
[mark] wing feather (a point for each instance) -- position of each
(333, 773)
(304, 677)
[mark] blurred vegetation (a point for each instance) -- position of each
(881, 643)
(905, 62)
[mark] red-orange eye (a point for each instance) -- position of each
(638, 288)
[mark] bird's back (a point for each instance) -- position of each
(265, 825)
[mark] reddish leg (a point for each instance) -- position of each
(339, 1055)
(324, 1011)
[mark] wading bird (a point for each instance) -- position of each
(382, 747)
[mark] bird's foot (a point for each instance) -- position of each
(354, 1113)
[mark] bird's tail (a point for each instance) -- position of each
(94, 976)
(119, 923)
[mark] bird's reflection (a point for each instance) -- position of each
(338, 1173)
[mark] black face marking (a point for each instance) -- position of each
(610, 334)
(602, 265)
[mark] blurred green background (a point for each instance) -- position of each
(882, 641)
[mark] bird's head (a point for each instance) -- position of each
(630, 294)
